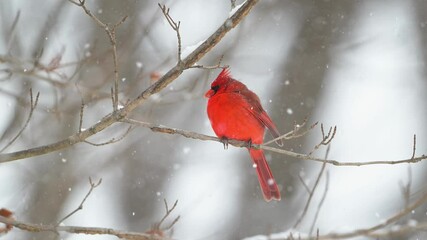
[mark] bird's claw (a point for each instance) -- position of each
(225, 142)
(249, 144)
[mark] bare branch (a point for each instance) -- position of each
(311, 193)
(322, 200)
(370, 230)
(78, 230)
(111, 32)
(338, 163)
(377, 231)
(326, 139)
(168, 212)
(80, 207)
(218, 65)
(295, 132)
(33, 105)
(414, 147)
(175, 27)
(81, 116)
(304, 184)
(193, 135)
(406, 189)
(156, 87)
(112, 140)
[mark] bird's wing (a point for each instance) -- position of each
(256, 109)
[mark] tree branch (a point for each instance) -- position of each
(33, 105)
(198, 136)
(75, 229)
(164, 81)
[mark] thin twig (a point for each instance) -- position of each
(326, 139)
(406, 189)
(175, 26)
(414, 147)
(12, 31)
(81, 116)
(111, 32)
(112, 140)
(167, 213)
(322, 200)
(218, 65)
(310, 196)
(33, 105)
(304, 184)
(335, 162)
(80, 207)
(295, 132)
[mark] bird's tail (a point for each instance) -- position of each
(265, 177)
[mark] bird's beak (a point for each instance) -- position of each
(209, 93)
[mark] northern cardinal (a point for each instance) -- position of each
(235, 112)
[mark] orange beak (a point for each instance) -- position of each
(209, 93)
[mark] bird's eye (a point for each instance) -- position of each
(215, 88)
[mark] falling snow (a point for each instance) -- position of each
(186, 150)
(176, 166)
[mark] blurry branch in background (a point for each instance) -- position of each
(34, 68)
(111, 32)
(154, 233)
(406, 189)
(387, 227)
(312, 191)
(80, 207)
(33, 105)
(379, 229)
(322, 200)
(233, 3)
(119, 114)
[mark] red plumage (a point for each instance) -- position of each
(235, 112)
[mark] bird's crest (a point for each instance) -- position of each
(223, 77)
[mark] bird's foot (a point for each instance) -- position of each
(225, 142)
(249, 144)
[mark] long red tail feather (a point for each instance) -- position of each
(265, 177)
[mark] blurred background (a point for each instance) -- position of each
(359, 65)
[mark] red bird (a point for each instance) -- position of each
(235, 112)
